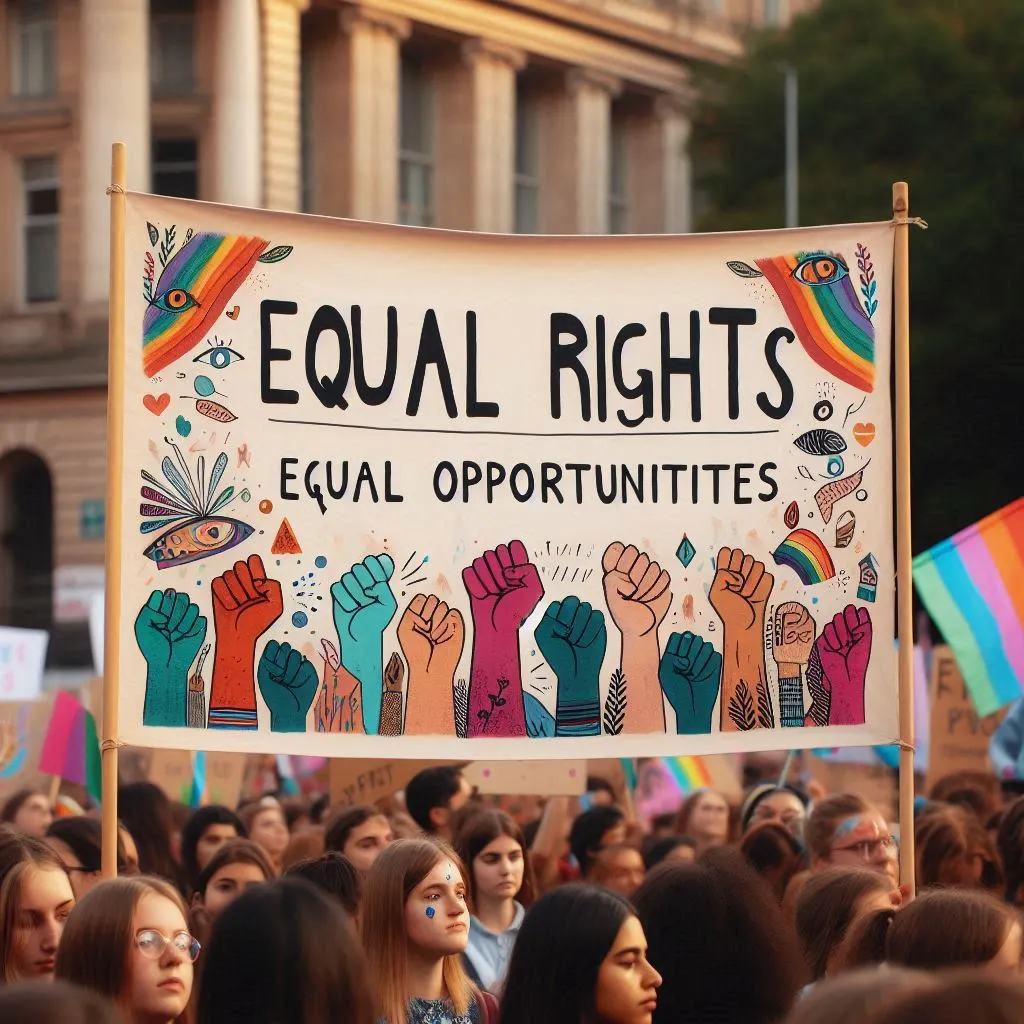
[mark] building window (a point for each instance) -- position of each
(527, 169)
(33, 33)
(41, 187)
(172, 33)
(773, 12)
(176, 168)
(416, 147)
(618, 178)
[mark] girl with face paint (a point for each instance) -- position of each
(415, 926)
(847, 832)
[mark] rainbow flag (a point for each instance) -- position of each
(71, 748)
(973, 588)
(689, 773)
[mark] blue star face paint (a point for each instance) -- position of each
(430, 911)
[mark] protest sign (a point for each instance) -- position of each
(958, 735)
(399, 493)
(535, 778)
(363, 781)
(22, 661)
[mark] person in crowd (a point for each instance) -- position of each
(663, 826)
(56, 1003)
(434, 796)
(500, 883)
(306, 844)
(786, 805)
(296, 815)
(721, 942)
(415, 926)
(335, 874)
(951, 998)
(233, 869)
(775, 854)
(128, 941)
(846, 831)
(285, 953)
(599, 793)
(705, 818)
(36, 899)
(941, 928)
(77, 841)
(953, 849)
(856, 996)
(28, 810)
(582, 955)
(147, 814)
(594, 830)
(619, 868)
(360, 833)
(1010, 840)
(205, 831)
(671, 848)
(830, 904)
(264, 822)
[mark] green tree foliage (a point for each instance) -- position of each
(930, 92)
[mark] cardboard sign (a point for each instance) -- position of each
(529, 778)
(388, 492)
(22, 732)
(22, 661)
(171, 770)
(225, 774)
(959, 736)
(364, 781)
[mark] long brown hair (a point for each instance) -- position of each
(477, 833)
(825, 817)
(827, 905)
(948, 839)
(394, 875)
(941, 928)
(19, 853)
(96, 947)
(236, 851)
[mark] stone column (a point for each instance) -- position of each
(493, 69)
(238, 77)
(659, 172)
(282, 104)
(576, 133)
(370, 123)
(677, 185)
(114, 98)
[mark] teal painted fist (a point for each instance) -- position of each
(169, 631)
(288, 682)
(572, 636)
(691, 674)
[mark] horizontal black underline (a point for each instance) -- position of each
(526, 433)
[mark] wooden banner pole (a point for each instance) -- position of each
(904, 579)
(115, 467)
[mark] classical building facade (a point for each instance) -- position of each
(564, 116)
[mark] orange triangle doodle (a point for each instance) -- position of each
(285, 543)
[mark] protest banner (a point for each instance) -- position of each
(959, 735)
(22, 661)
(384, 492)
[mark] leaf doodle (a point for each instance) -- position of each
(615, 704)
(497, 701)
(821, 697)
(154, 235)
(741, 708)
(278, 253)
(167, 246)
(742, 269)
(461, 698)
(765, 713)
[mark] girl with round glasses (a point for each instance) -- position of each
(846, 831)
(128, 940)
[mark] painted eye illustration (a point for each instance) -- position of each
(219, 356)
(175, 300)
(820, 269)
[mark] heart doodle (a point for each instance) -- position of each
(864, 433)
(156, 403)
(233, 313)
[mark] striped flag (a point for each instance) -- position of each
(973, 588)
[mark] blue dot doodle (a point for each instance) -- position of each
(431, 911)
(299, 619)
(204, 386)
(320, 562)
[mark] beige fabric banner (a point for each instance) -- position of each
(394, 492)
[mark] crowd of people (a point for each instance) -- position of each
(442, 908)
